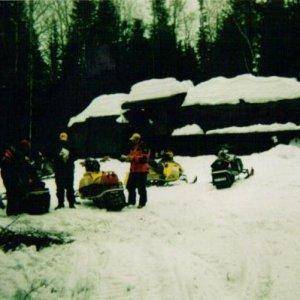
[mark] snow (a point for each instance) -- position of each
(252, 89)
(188, 130)
(256, 128)
(105, 105)
(295, 142)
(122, 120)
(110, 105)
(158, 88)
(189, 242)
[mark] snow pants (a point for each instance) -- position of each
(64, 183)
(15, 192)
(137, 180)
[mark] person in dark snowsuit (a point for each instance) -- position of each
(17, 175)
(64, 171)
(139, 168)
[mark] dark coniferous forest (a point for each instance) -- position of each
(103, 52)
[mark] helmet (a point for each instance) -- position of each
(63, 136)
(223, 154)
(92, 165)
(25, 144)
(169, 153)
(25, 147)
(135, 137)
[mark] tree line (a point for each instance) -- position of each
(102, 52)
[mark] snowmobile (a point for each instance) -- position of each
(165, 173)
(37, 200)
(103, 188)
(228, 168)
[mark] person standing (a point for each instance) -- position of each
(139, 167)
(16, 176)
(64, 171)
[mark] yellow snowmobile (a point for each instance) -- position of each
(165, 173)
(103, 188)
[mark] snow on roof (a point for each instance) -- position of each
(122, 120)
(188, 130)
(105, 105)
(110, 105)
(252, 89)
(158, 88)
(256, 128)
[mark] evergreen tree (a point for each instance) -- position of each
(279, 31)
(73, 93)
(23, 73)
(137, 57)
(204, 47)
(188, 64)
(80, 39)
(163, 41)
(54, 53)
(234, 49)
(107, 25)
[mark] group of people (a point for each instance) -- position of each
(19, 173)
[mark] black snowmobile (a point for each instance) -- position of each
(228, 168)
(103, 188)
(35, 196)
(37, 200)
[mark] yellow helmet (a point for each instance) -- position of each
(63, 136)
(135, 137)
(170, 153)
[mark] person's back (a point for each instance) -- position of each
(16, 178)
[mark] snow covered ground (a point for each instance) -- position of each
(189, 242)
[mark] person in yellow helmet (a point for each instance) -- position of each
(64, 171)
(139, 168)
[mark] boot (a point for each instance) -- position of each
(59, 206)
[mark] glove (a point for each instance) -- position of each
(125, 158)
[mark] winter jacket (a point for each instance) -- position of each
(139, 158)
(64, 161)
(16, 170)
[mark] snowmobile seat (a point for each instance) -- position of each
(237, 165)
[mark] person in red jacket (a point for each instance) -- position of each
(139, 167)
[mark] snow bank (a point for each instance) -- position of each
(252, 89)
(256, 128)
(295, 142)
(158, 88)
(105, 105)
(188, 130)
